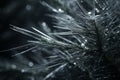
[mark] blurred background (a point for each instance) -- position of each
(24, 14)
(21, 13)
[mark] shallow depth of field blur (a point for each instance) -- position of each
(22, 13)
(27, 14)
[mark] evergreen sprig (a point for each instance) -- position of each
(85, 38)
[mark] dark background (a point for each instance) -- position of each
(24, 14)
(21, 13)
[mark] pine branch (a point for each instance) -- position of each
(83, 38)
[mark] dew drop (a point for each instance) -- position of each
(97, 10)
(75, 63)
(13, 66)
(23, 70)
(85, 40)
(89, 13)
(60, 10)
(82, 45)
(30, 64)
(44, 24)
(28, 7)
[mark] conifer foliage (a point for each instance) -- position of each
(84, 44)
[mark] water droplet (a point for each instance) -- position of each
(97, 10)
(103, 8)
(44, 24)
(60, 10)
(30, 64)
(85, 41)
(23, 70)
(13, 66)
(89, 13)
(28, 7)
(82, 45)
(75, 63)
